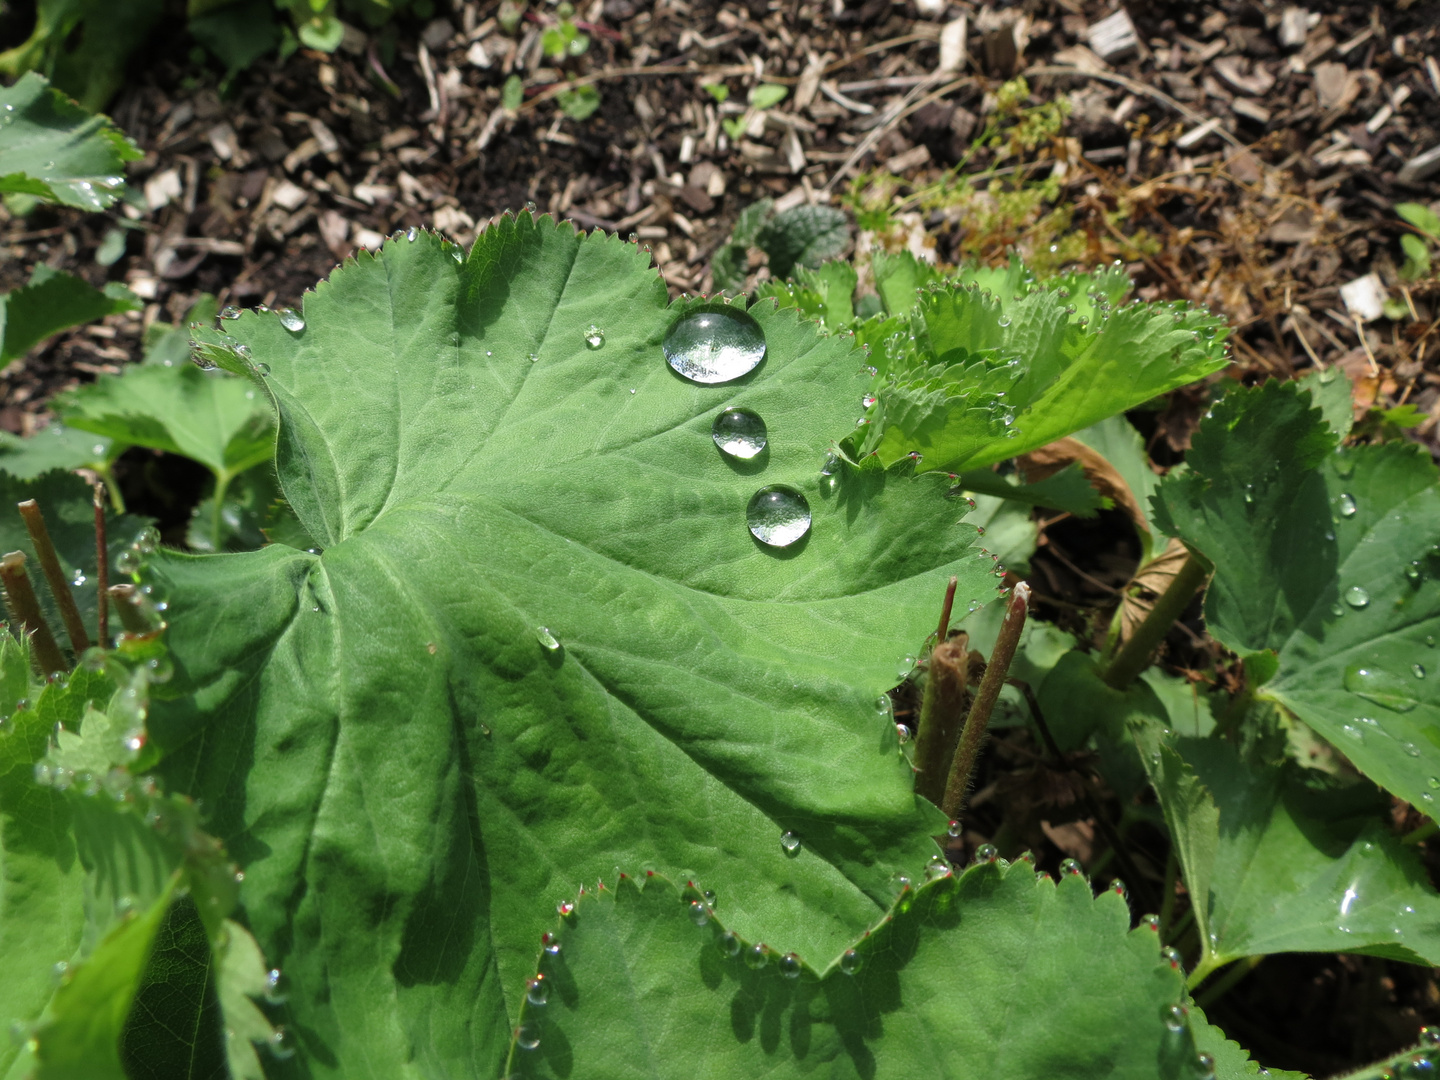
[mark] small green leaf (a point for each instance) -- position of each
(898, 279)
(56, 447)
(990, 973)
(1330, 393)
(54, 150)
(51, 302)
(1422, 217)
(734, 127)
(1417, 262)
(767, 95)
(803, 236)
(512, 96)
(323, 32)
(580, 103)
(719, 91)
(823, 295)
(1068, 490)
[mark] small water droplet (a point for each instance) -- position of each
(884, 706)
(937, 868)
(527, 1037)
(757, 956)
(594, 337)
(263, 369)
(1177, 1017)
(987, 853)
(1380, 686)
(1150, 922)
(537, 991)
(790, 965)
(231, 312)
(790, 842)
(1205, 1064)
(868, 400)
(902, 734)
(550, 944)
(566, 908)
(1418, 670)
(778, 515)
(1357, 597)
(546, 638)
(851, 962)
(953, 830)
(411, 233)
(714, 345)
(281, 1044)
(739, 433)
(1414, 571)
(291, 320)
(1071, 868)
(699, 913)
(1346, 505)
(1118, 888)
(905, 667)
(534, 357)
(128, 562)
(729, 944)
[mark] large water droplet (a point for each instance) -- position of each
(851, 962)
(714, 345)
(1380, 686)
(1346, 504)
(790, 842)
(546, 638)
(1357, 597)
(594, 337)
(778, 515)
(291, 320)
(739, 433)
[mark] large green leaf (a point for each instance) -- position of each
(54, 150)
(1281, 861)
(222, 422)
(539, 640)
(972, 378)
(1329, 559)
(51, 302)
(56, 447)
(994, 973)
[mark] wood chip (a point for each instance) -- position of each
(1196, 134)
(831, 91)
(1251, 108)
(1364, 297)
(809, 84)
(1295, 24)
(288, 195)
(1113, 37)
(1420, 167)
(952, 46)
(1336, 86)
(910, 159)
(335, 231)
(1256, 82)
(164, 187)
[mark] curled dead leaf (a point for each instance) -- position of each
(1049, 460)
(1150, 581)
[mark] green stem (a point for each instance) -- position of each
(222, 481)
(1222, 985)
(1167, 898)
(973, 736)
(942, 714)
(45, 653)
(54, 575)
(117, 500)
(102, 570)
(1135, 655)
(1420, 833)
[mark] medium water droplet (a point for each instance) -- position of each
(291, 320)
(729, 943)
(778, 515)
(281, 1043)
(953, 830)
(699, 913)
(537, 991)
(937, 868)
(987, 853)
(1418, 670)
(884, 706)
(790, 965)
(851, 962)
(527, 1037)
(790, 842)
(231, 312)
(1150, 922)
(757, 956)
(1356, 597)
(902, 734)
(550, 943)
(1346, 504)
(534, 357)
(594, 337)
(1171, 956)
(905, 667)
(739, 433)
(1176, 1018)
(1414, 571)
(714, 345)
(546, 638)
(1205, 1064)
(1380, 686)
(868, 400)
(1071, 868)
(1004, 320)
(263, 369)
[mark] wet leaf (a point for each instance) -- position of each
(53, 149)
(51, 302)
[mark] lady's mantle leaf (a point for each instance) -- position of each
(540, 640)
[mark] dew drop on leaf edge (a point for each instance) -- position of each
(546, 638)
(789, 842)
(714, 345)
(739, 433)
(778, 516)
(291, 320)
(851, 962)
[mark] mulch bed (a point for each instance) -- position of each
(1242, 154)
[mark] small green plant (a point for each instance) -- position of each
(1418, 245)
(566, 670)
(762, 97)
(564, 40)
(802, 236)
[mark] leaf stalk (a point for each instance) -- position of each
(102, 570)
(1135, 655)
(55, 575)
(973, 737)
(25, 608)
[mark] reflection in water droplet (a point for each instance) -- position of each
(884, 706)
(1380, 686)
(526, 1035)
(902, 734)
(937, 868)
(729, 943)
(778, 515)
(714, 345)
(986, 853)
(1176, 1018)
(594, 337)
(546, 638)
(537, 991)
(1205, 1064)
(1418, 670)
(905, 667)
(291, 320)
(790, 965)
(1357, 597)
(739, 433)
(1346, 505)
(699, 913)
(790, 842)
(230, 313)
(953, 830)
(1071, 868)
(757, 956)
(851, 962)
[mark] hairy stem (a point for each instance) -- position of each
(102, 570)
(973, 736)
(55, 575)
(25, 608)
(944, 629)
(1135, 655)
(942, 713)
(127, 599)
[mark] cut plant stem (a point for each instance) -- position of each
(55, 575)
(127, 606)
(1135, 655)
(973, 736)
(944, 629)
(25, 608)
(102, 570)
(942, 715)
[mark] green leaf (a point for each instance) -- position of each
(54, 150)
(719, 91)
(580, 103)
(238, 523)
(993, 973)
(238, 34)
(1422, 217)
(56, 447)
(1116, 440)
(1286, 861)
(323, 32)
(898, 279)
(767, 95)
(468, 496)
(1330, 393)
(1068, 490)
(748, 224)
(51, 302)
(1331, 563)
(823, 295)
(802, 236)
(1417, 260)
(512, 95)
(222, 422)
(978, 379)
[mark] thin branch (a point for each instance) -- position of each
(942, 716)
(25, 608)
(976, 723)
(55, 575)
